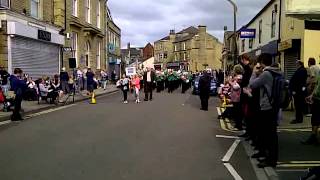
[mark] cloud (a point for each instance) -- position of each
(143, 21)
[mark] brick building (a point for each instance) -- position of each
(148, 51)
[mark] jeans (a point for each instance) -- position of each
(104, 84)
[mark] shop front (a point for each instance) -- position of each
(291, 50)
(34, 49)
(174, 66)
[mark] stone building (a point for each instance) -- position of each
(29, 38)
(113, 40)
(190, 49)
(132, 56)
(84, 24)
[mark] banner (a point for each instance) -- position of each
(248, 33)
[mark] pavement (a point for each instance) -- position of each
(168, 138)
(294, 158)
(29, 107)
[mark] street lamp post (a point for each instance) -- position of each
(235, 49)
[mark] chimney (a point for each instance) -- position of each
(128, 46)
(202, 29)
(172, 31)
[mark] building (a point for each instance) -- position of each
(113, 40)
(148, 51)
(84, 26)
(29, 37)
(228, 51)
(132, 56)
(288, 36)
(190, 49)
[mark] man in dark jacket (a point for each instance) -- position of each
(204, 87)
(298, 87)
(64, 78)
(90, 81)
(149, 78)
(4, 75)
(18, 86)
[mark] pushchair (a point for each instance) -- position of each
(8, 98)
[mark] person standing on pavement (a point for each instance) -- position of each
(80, 79)
(268, 114)
(204, 87)
(314, 100)
(104, 79)
(148, 80)
(64, 79)
(18, 86)
(90, 81)
(297, 87)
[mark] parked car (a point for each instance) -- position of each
(213, 87)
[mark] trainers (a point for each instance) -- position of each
(125, 102)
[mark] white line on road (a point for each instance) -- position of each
(232, 171)
(231, 150)
(49, 111)
(227, 137)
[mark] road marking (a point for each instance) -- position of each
(297, 165)
(231, 150)
(48, 111)
(291, 170)
(227, 137)
(300, 162)
(232, 171)
(294, 130)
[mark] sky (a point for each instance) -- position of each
(143, 21)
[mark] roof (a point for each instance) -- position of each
(186, 34)
(133, 51)
(259, 13)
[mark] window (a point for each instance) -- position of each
(35, 8)
(161, 56)
(98, 55)
(260, 31)
(75, 8)
(243, 45)
(87, 11)
(98, 14)
(175, 48)
(5, 3)
(165, 56)
(87, 54)
(175, 57)
(74, 45)
(184, 46)
(184, 56)
(250, 43)
(273, 24)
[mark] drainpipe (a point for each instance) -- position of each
(279, 35)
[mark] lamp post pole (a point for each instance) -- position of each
(235, 49)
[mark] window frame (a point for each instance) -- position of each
(74, 46)
(88, 11)
(74, 8)
(243, 44)
(273, 23)
(38, 16)
(98, 55)
(251, 40)
(260, 31)
(5, 7)
(99, 14)
(88, 48)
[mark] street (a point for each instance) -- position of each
(168, 138)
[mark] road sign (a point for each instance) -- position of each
(248, 33)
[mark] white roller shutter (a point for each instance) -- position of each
(35, 58)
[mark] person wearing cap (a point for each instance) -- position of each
(297, 87)
(64, 79)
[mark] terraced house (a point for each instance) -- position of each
(29, 37)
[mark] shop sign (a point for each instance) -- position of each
(285, 45)
(44, 35)
(248, 33)
(67, 49)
